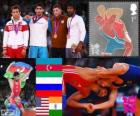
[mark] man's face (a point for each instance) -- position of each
(15, 13)
(39, 11)
(102, 92)
(16, 78)
(57, 12)
(70, 11)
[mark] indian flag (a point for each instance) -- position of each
(55, 106)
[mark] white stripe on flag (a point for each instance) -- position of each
(55, 106)
(42, 114)
(45, 99)
(43, 111)
(45, 105)
(48, 80)
(41, 108)
(45, 102)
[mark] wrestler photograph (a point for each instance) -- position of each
(17, 87)
(91, 86)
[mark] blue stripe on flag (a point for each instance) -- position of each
(48, 86)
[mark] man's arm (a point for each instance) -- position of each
(82, 32)
(49, 25)
(73, 101)
(5, 39)
(82, 29)
(25, 30)
(128, 43)
(109, 103)
(10, 83)
(117, 69)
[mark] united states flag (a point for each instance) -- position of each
(43, 110)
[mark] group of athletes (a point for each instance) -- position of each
(29, 33)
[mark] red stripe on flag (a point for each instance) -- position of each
(48, 93)
(49, 67)
(14, 68)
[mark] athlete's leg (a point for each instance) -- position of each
(10, 53)
(19, 53)
(43, 52)
(33, 51)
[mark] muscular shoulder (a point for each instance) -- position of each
(121, 67)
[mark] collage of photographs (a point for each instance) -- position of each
(69, 58)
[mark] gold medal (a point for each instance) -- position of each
(55, 35)
(62, 21)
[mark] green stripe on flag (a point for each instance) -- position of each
(9, 74)
(55, 112)
(48, 74)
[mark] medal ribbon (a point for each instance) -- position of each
(35, 19)
(70, 23)
(16, 26)
(57, 25)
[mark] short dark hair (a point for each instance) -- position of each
(16, 74)
(107, 89)
(71, 4)
(40, 5)
(15, 7)
(57, 6)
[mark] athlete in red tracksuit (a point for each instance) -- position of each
(16, 35)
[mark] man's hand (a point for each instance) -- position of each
(89, 107)
(22, 110)
(79, 47)
(73, 47)
(4, 52)
(24, 52)
(27, 17)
